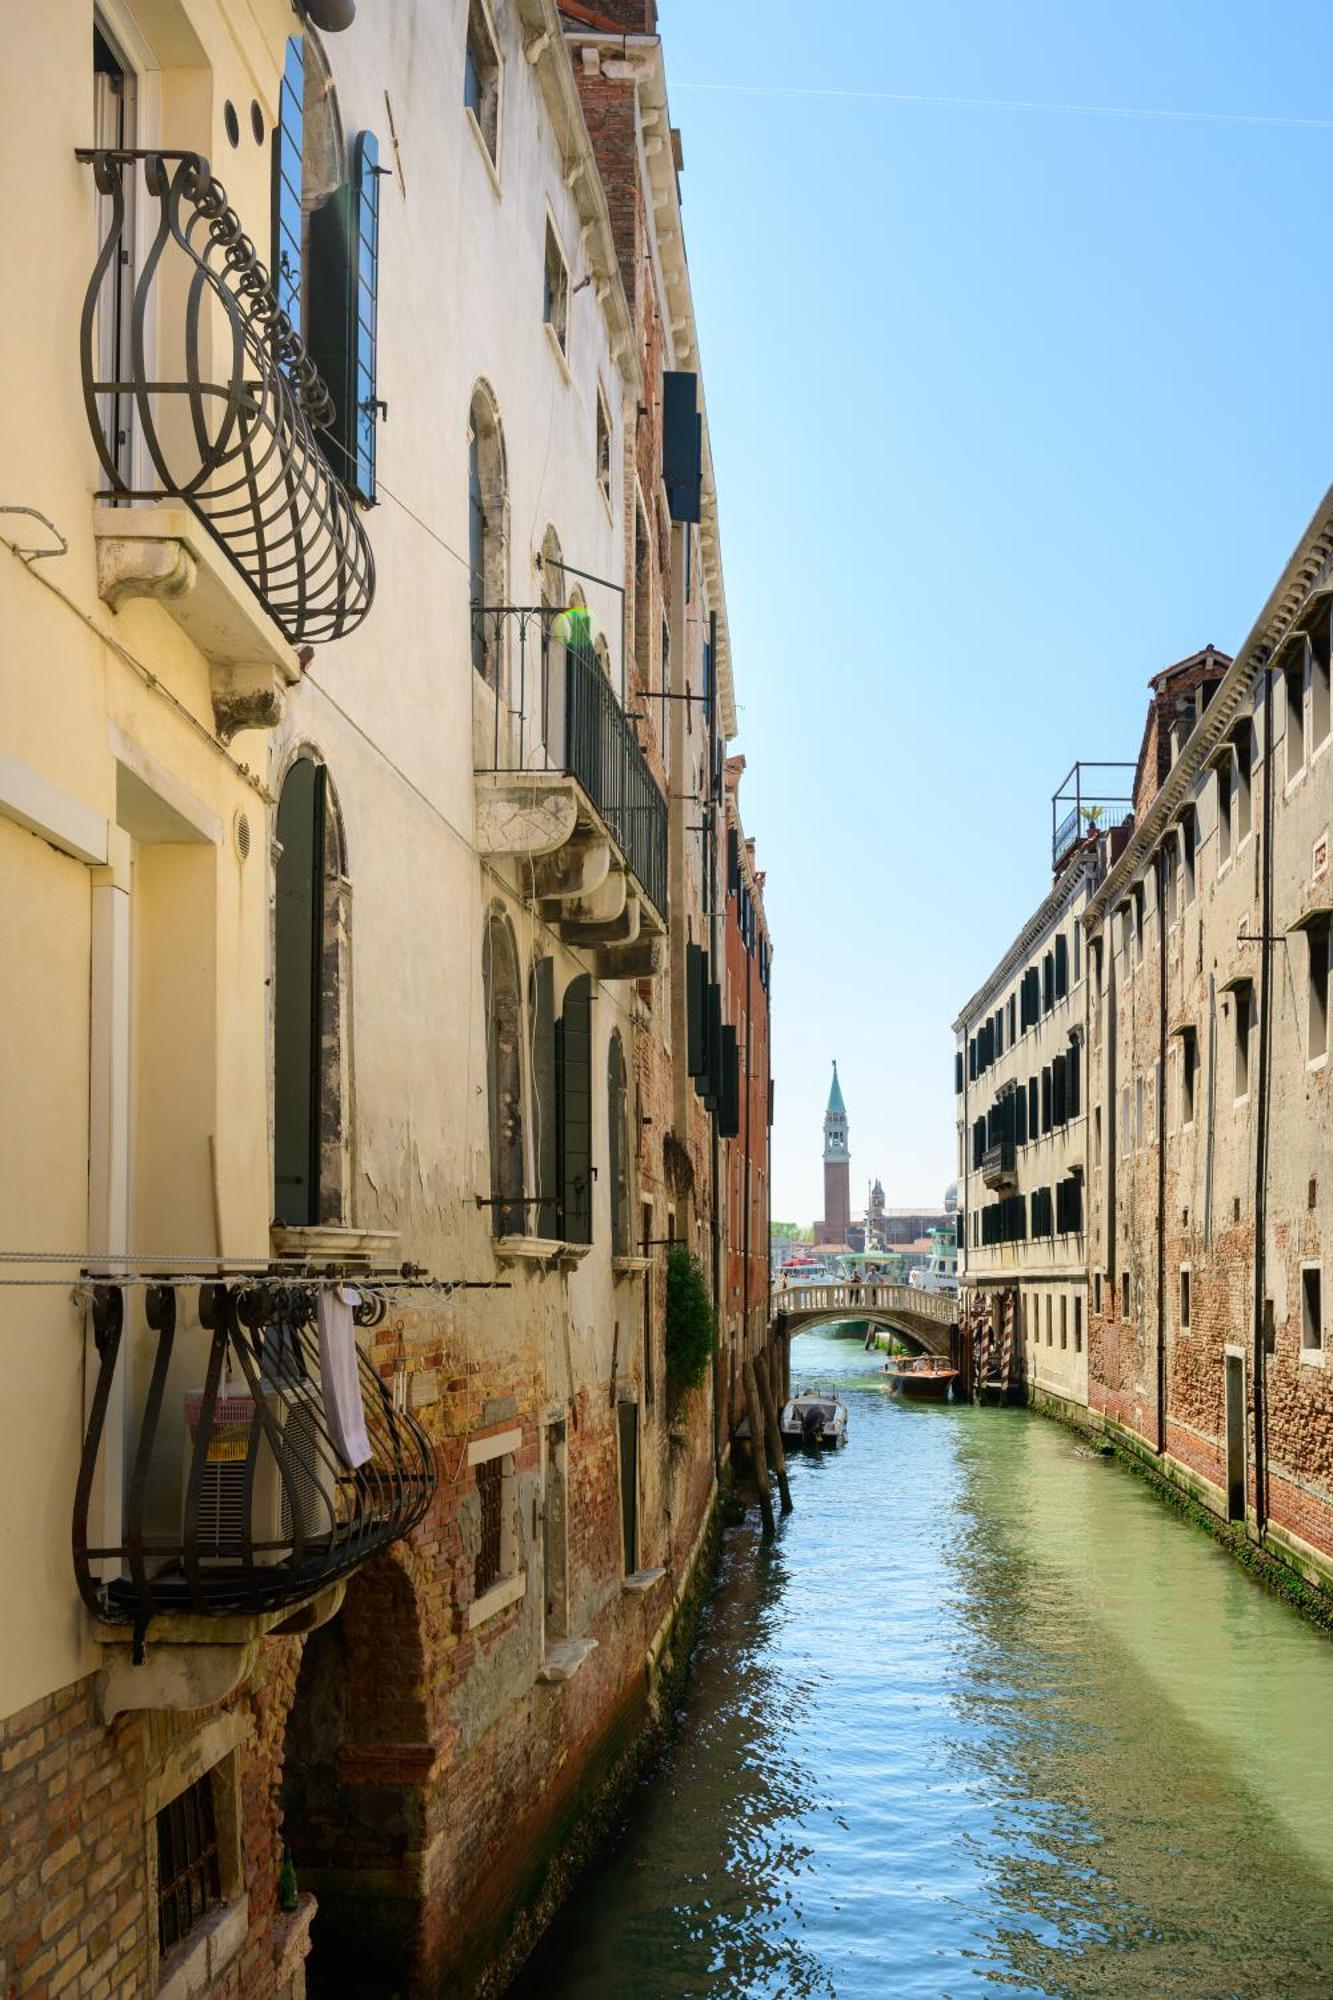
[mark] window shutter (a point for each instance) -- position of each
(574, 1110)
(1061, 966)
(1020, 1116)
(710, 1083)
(1058, 1110)
(682, 444)
(733, 860)
(958, 1073)
(344, 276)
(1034, 1123)
(288, 140)
(696, 1007)
(1072, 1081)
(729, 1102)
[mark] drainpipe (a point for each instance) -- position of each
(1160, 872)
(1260, 1385)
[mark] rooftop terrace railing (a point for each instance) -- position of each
(207, 379)
(1092, 798)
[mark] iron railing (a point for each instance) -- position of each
(556, 710)
(222, 397)
(1084, 804)
(236, 1497)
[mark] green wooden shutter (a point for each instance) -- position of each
(729, 1101)
(696, 1007)
(574, 1102)
(344, 283)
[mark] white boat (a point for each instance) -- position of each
(814, 1418)
(941, 1271)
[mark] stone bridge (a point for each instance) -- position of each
(923, 1318)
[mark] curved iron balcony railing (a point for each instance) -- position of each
(236, 1499)
(232, 435)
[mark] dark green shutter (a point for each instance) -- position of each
(682, 444)
(710, 1083)
(1061, 966)
(288, 140)
(344, 281)
(573, 1080)
(696, 1007)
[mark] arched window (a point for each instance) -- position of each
(573, 1077)
(488, 532)
(617, 1127)
(504, 1074)
(311, 989)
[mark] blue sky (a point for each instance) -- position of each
(1010, 408)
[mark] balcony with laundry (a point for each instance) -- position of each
(243, 1455)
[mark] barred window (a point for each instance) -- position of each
(490, 1485)
(189, 1872)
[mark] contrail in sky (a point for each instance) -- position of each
(1164, 117)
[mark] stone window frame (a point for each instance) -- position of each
(1311, 1351)
(556, 291)
(513, 1580)
(199, 1961)
(485, 432)
(479, 33)
(604, 445)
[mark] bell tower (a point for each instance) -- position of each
(837, 1167)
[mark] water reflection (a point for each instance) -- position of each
(986, 1716)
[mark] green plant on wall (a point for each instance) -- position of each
(691, 1323)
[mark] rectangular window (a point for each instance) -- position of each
(1078, 1323)
(1096, 1137)
(1078, 951)
(555, 289)
(1189, 1075)
(1244, 766)
(481, 77)
(628, 1418)
(1317, 940)
(1064, 1321)
(1189, 843)
(1224, 811)
(490, 1487)
(1171, 882)
(1184, 1298)
(189, 1869)
(1059, 1109)
(1139, 925)
(1034, 1116)
(1048, 1319)
(1061, 966)
(1312, 1309)
(1293, 679)
(1047, 982)
(1046, 1094)
(1138, 1112)
(1097, 1293)
(1243, 1004)
(1124, 1295)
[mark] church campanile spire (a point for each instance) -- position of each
(837, 1168)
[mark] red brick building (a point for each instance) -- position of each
(746, 1125)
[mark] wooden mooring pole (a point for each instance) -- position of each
(764, 1372)
(757, 1452)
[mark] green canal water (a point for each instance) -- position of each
(986, 1716)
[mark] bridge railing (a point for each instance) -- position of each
(853, 1298)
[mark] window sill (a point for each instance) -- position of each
(549, 1251)
(492, 171)
(629, 1267)
(497, 1599)
(1318, 1062)
(332, 1243)
(1312, 1357)
(194, 1966)
(640, 1581)
(562, 358)
(562, 1661)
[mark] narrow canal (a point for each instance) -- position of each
(986, 1715)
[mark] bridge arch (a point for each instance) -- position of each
(926, 1319)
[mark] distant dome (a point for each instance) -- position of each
(951, 1198)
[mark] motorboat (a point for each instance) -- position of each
(922, 1377)
(814, 1418)
(940, 1273)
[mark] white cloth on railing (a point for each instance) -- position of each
(344, 1411)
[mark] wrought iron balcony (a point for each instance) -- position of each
(236, 1499)
(999, 1165)
(193, 373)
(551, 709)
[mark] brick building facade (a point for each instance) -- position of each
(350, 1060)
